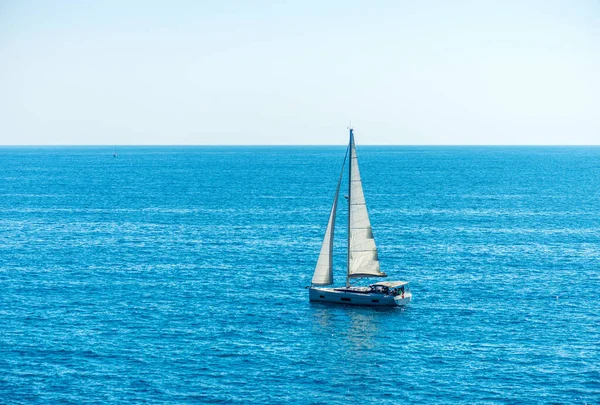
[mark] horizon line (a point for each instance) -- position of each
(286, 145)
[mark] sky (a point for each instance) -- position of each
(299, 72)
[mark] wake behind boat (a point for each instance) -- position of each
(362, 260)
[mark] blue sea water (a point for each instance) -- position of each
(177, 274)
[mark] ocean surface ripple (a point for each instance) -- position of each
(177, 274)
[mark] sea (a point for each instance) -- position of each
(177, 275)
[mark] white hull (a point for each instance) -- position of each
(349, 297)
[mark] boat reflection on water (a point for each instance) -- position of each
(352, 326)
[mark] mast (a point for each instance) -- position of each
(349, 206)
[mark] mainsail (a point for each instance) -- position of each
(362, 252)
(324, 271)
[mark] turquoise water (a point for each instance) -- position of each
(177, 274)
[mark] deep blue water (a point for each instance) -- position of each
(177, 274)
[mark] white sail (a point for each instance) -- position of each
(362, 257)
(324, 271)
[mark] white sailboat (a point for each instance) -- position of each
(362, 261)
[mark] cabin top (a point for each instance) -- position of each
(391, 284)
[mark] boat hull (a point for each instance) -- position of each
(371, 299)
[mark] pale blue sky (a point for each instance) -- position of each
(297, 72)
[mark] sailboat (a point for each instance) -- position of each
(362, 258)
(115, 153)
